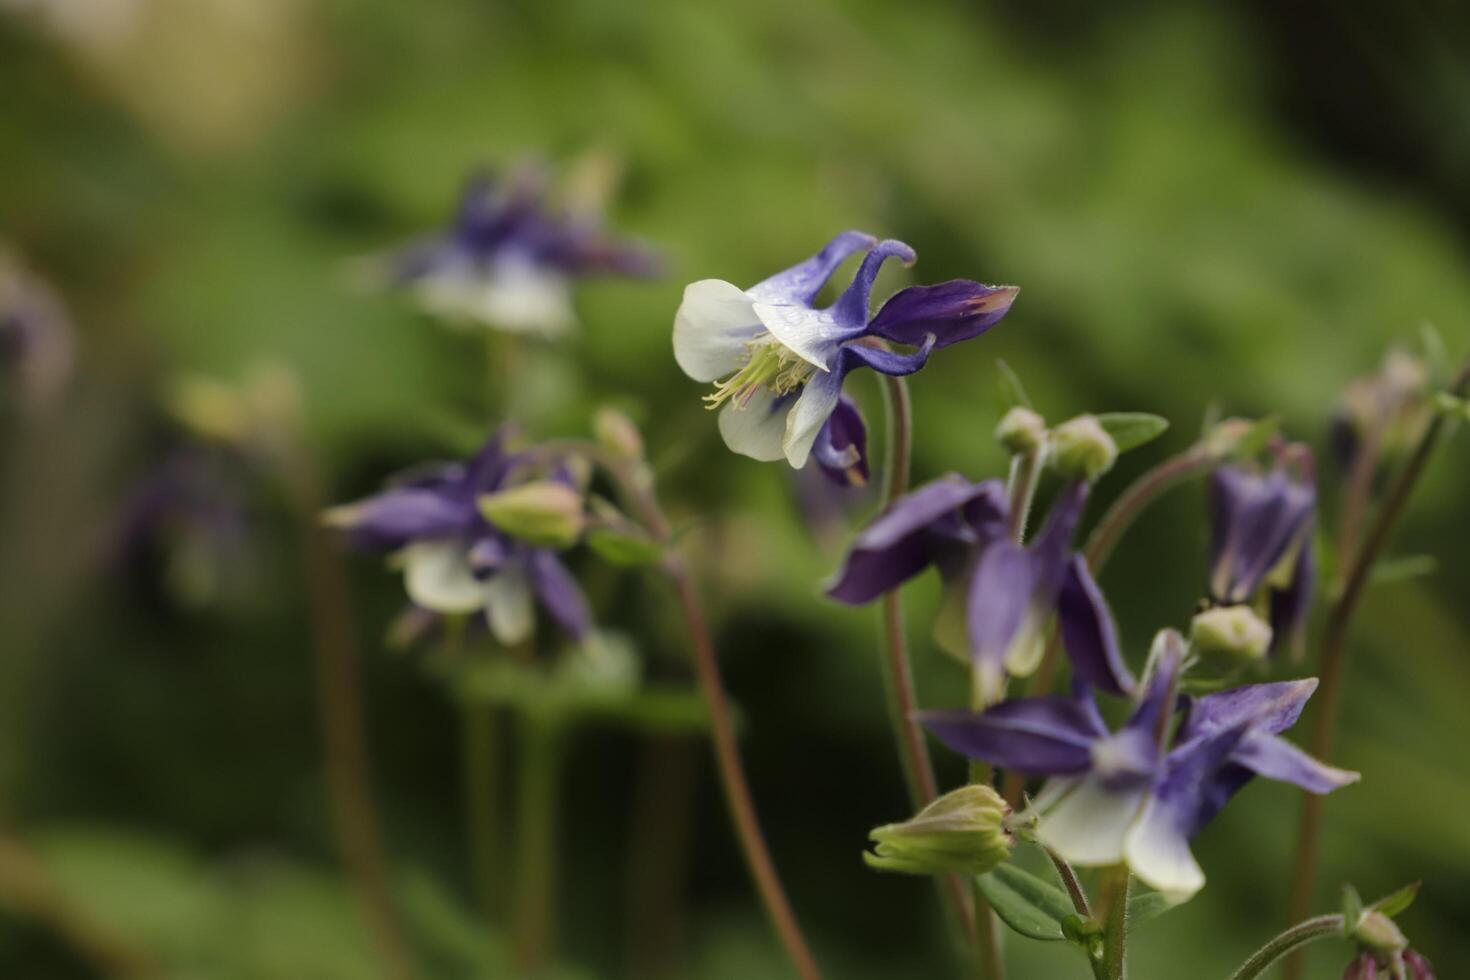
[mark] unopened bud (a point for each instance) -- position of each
(617, 433)
(1081, 449)
(545, 513)
(962, 832)
(1021, 430)
(1377, 933)
(1228, 638)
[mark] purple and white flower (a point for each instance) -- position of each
(778, 362)
(508, 260)
(1119, 796)
(454, 560)
(1008, 591)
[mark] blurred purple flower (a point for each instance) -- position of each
(508, 259)
(779, 362)
(456, 562)
(36, 337)
(1114, 796)
(1010, 591)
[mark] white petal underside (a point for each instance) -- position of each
(712, 329)
(756, 429)
(811, 334)
(1089, 825)
(1159, 855)
(509, 606)
(811, 411)
(438, 577)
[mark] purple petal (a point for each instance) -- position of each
(1289, 606)
(1256, 519)
(952, 311)
(1089, 633)
(841, 449)
(801, 283)
(559, 593)
(393, 518)
(1419, 966)
(1037, 736)
(895, 548)
(488, 553)
(892, 363)
(1162, 676)
(851, 308)
(1363, 967)
(1188, 790)
(1271, 708)
(1276, 758)
(1002, 603)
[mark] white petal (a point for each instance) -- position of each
(438, 576)
(712, 328)
(509, 607)
(812, 334)
(514, 295)
(811, 411)
(1159, 855)
(1089, 825)
(756, 429)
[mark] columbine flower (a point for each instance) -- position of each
(1372, 966)
(779, 362)
(1117, 796)
(1261, 536)
(36, 345)
(1008, 592)
(508, 260)
(454, 560)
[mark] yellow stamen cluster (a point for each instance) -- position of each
(770, 365)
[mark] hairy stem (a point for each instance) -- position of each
(1115, 922)
(1068, 874)
(1334, 654)
(536, 808)
(1288, 942)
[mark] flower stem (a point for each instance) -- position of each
(1021, 491)
(1068, 874)
(635, 485)
(1288, 942)
(536, 812)
(898, 679)
(481, 751)
(1115, 922)
(1334, 653)
(343, 730)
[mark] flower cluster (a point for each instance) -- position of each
(778, 361)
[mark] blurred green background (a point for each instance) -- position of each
(1239, 203)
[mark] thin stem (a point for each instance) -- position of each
(635, 485)
(1334, 654)
(343, 729)
(1115, 922)
(28, 889)
(1299, 935)
(536, 808)
(1021, 490)
(1356, 500)
(1068, 874)
(481, 751)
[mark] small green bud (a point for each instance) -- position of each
(962, 832)
(544, 513)
(1377, 932)
(1021, 430)
(1081, 449)
(1228, 638)
(617, 433)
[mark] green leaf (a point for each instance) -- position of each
(627, 547)
(1352, 908)
(1132, 429)
(1396, 902)
(1404, 568)
(1012, 392)
(1145, 905)
(1030, 906)
(671, 711)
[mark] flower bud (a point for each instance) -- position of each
(1418, 966)
(1376, 932)
(1363, 967)
(1227, 638)
(1021, 430)
(1081, 449)
(962, 832)
(544, 513)
(616, 433)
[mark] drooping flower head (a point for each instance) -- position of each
(1006, 593)
(778, 362)
(36, 337)
(455, 560)
(508, 259)
(1127, 795)
(1261, 531)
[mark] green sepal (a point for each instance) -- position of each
(1132, 429)
(1012, 392)
(1035, 908)
(1396, 902)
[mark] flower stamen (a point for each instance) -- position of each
(769, 365)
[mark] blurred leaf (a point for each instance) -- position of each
(1012, 392)
(1132, 429)
(1403, 569)
(1030, 906)
(1398, 901)
(1145, 905)
(628, 548)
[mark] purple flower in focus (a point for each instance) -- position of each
(1008, 592)
(455, 561)
(1261, 538)
(778, 362)
(508, 259)
(1116, 796)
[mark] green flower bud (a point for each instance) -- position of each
(1021, 430)
(1228, 638)
(544, 513)
(962, 832)
(617, 433)
(1377, 932)
(1081, 449)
